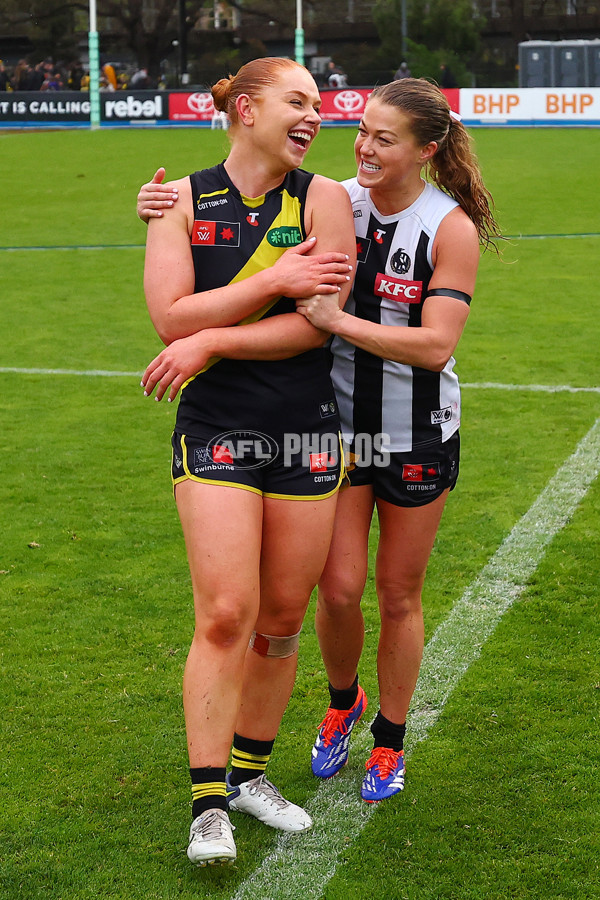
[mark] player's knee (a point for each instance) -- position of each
(273, 645)
(225, 623)
(339, 596)
(397, 601)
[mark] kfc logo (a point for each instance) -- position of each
(398, 289)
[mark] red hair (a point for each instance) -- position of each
(251, 79)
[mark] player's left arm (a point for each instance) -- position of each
(455, 256)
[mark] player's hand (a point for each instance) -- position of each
(175, 365)
(321, 310)
(154, 197)
(299, 275)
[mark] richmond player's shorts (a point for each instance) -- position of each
(413, 478)
(292, 467)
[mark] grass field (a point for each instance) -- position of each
(502, 797)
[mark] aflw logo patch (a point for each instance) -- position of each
(427, 472)
(216, 234)
(398, 289)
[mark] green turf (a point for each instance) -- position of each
(502, 799)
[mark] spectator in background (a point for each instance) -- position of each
(140, 80)
(336, 77)
(52, 82)
(5, 84)
(75, 75)
(402, 72)
(111, 76)
(36, 78)
(447, 79)
(21, 76)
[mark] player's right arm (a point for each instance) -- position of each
(169, 278)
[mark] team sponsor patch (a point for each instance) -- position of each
(362, 248)
(284, 236)
(216, 234)
(439, 416)
(327, 409)
(320, 462)
(221, 454)
(202, 456)
(421, 472)
(398, 288)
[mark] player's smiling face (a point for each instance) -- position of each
(386, 150)
(288, 115)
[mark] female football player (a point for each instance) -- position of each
(224, 267)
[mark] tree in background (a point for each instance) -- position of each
(440, 32)
(58, 28)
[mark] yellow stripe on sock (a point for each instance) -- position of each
(216, 788)
(242, 754)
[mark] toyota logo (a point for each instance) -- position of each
(200, 103)
(348, 101)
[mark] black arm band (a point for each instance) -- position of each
(448, 292)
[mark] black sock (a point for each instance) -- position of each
(248, 758)
(387, 734)
(344, 699)
(208, 789)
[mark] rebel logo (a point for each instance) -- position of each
(425, 472)
(216, 234)
(398, 289)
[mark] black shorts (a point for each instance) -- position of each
(292, 467)
(414, 478)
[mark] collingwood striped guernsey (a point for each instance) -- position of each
(414, 406)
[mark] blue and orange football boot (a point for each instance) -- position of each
(385, 774)
(330, 751)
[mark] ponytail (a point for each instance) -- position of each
(455, 169)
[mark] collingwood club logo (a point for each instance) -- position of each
(400, 262)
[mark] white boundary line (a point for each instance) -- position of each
(91, 373)
(50, 248)
(484, 385)
(301, 865)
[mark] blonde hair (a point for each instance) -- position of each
(251, 79)
(453, 167)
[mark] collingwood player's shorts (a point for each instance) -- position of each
(291, 467)
(413, 478)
